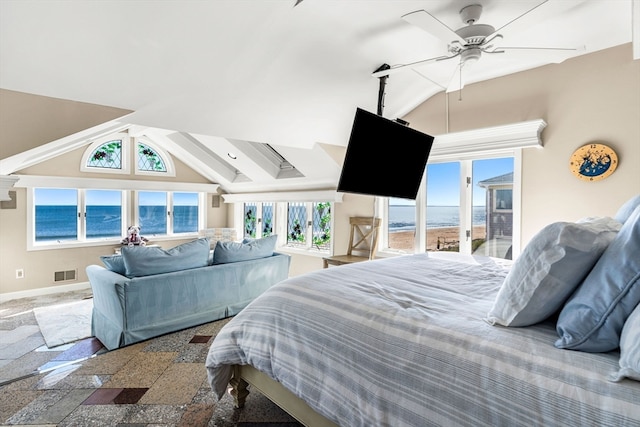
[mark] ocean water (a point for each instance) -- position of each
(61, 222)
(403, 217)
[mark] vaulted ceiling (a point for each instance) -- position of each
(211, 77)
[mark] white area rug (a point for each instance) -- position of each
(65, 323)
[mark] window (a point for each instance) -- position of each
(104, 213)
(466, 148)
(309, 225)
(468, 209)
(162, 213)
(149, 160)
(401, 214)
(107, 156)
(185, 212)
(250, 220)
(113, 154)
(297, 224)
(72, 216)
(321, 230)
(258, 220)
(267, 219)
(67, 215)
(503, 199)
(56, 214)
(443, 206)
(152, 212)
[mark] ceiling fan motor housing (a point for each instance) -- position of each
(475, 34)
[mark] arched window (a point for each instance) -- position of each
(149, 160)
(116, 153)
(107, 155)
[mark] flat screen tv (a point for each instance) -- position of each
(384, 158)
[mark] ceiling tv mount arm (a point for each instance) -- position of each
(381, 93)
(383, 83)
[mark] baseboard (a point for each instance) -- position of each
(43, 291)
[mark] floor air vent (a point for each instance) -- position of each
(61, 276)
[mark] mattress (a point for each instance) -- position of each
(403, 342)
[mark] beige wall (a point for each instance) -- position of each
(592, 98)
(28, 121)
(39, 266)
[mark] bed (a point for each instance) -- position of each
(407, 341)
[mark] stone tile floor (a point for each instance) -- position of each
(159, 382)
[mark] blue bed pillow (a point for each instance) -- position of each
(549, 269)
(593, 317)
(226, 252)
(146, 261)
(630, 348)
(627, 209)
(114, 263)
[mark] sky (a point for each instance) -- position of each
(443, 181)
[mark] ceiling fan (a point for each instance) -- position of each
(470, 42)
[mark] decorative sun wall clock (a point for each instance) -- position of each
(593, 162)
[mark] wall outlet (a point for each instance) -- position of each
(20, 273)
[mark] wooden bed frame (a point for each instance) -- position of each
(244, 375)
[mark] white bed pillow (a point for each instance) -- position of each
(630, 348)
(549, 269)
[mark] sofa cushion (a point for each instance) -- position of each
(114, 263)
(549, 269)
(146, 261)
(226, 252)
(592, 319)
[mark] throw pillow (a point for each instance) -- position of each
(226, 252)
(630, 348)
(114, 263)
(146, 261)
(593, 317)
(549, 269)
(627, 209)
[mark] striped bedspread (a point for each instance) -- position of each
(402, 342)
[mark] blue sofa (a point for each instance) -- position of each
(138, 296)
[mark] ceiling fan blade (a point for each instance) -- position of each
(544, 11)
(432, 25)
(554, 55)
(401, 67)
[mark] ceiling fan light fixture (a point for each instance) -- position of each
(470, 55)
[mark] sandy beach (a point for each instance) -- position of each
(447, 236)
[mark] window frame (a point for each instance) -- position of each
(280, 203)
(81, 222)
(166, 158)
(382, 204)
(30, 182)
(124, 157)
(129, 156)
(493, 142)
